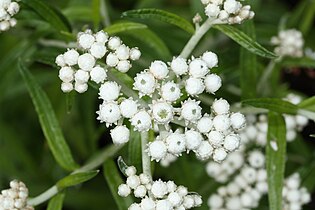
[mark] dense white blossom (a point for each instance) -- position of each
(8, 9)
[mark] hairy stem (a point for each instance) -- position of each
(146, 162)
(192, 43)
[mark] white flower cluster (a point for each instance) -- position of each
(288, 43)
(8, 9)
(157, 195)
(15, 198)
(227, 11)
(246, 189)
(77, 69)
(294, 196)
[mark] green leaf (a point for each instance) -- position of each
(123, 27)
(96, 14)
(122, 165)
(275, 159)
(49, 14)
(298, 62)
(113, 179)
(134, 150)
(273, 104)
(308, 104)
(56, 202)
(75, 179)
(305, 25)
(245, 41)
(248, 65)
(164, 16)
(48, 121)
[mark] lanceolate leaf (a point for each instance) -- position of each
(134, 149)
(56, 202)
(113, 179)
(273, 104)
(299, 62)
(157, 14)
(248, 66)
(123, 27)
(308, 104)
(48, 121)
(245, 41)
(49, 14)
(275, 159)
(76, 178)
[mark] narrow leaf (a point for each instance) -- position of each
(75, 179)
(273, 104)
(49, 14)
(245, 41)
(134, 150)
(308, 104)
(96, 14)
(164, 16)
(48, 121)
(113, 179)
(275, 159)
(122, 165)
(248, 65)
(56, 202)
(298, 62)
(123, 27)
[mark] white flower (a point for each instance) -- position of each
(98, 74)
(98, 50)
(249, 174)
(163, 205)
(256, 159)
(86, 40)
(212, 10)
(114, 43)
(135, 54)
(80, 87)
(232, 6)
(71, 57)
(66, 74)
(158, 69)
(101, 37)
(194, 86)
(122, 52)
(66, 87)
(140, 191)
(204, 124)
(212, 83)
(191, 111)
(123, 66)
(215, 201)
(120, 134)
(221, 122)
(86, 62)
(175, 199)
(144, 179)
(60, 61)
(141, 121)
(124, 190)
(211, 59)
(133, 181)
(179, 66)
(176, 143)
(193, 139)
(144, 83)
(157, 150)
(159, 189)
(238, 121)
(81, 76)
(130, 171)
(109, 113)
(147, 204)
(219, 155)
(162, 112)
(198, 68)
(221, 107)
(204, 151)
(109, 91)
(112, 60)
(134, 206)
(170, 91)
(128, 108)
(215, 138)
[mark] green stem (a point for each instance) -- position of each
(192, 43)
(94, 163)
(146, 162)
(264, 78)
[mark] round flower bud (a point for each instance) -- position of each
(109, 91)
(176, 143)
(163, 205)
(198, 68)
(234, 203)
(215, 201)
(123, 66)
(159, 189)
(86, 62)
(60, 61)
(204, 151)
(140, 191)
(170, 91)
(81, 76)
(215, 138)
(135, 54)
(179, 66)
(232, 142)
(204, 125)
(141, 121)
(158, 69)
(109, 113)
(144, 83)
(194, 86)
(162, 112)
(211, 59)
(120, 134)
(221, 106)
(114, 43)
(66, 74)
(247, 200)
(144, 179)
(193, 139)
(130, 171)
(101, 37)
(133, 181)
(171, 186)
(221, 123)
(157, 150)
(238, 121)
(13, 22)
(86, 40)
(174, 198)
(4, 25)
(122, 52)
(98, 50)
(191, 111)
(223, 15)
(293, 196)
(71, 57)
(112, 60)
(80, 87)
(124, 190)
(212, 10)
(261, 175)
(233, 189)
(5, 3)
(249, 174)
(134, 206)
(219, 155)
(98, 74)
(212, 83)
(232, 6)
(147, 204)
(66, 87)
(256, 159)
(128, 108)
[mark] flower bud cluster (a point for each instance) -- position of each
(8, 9)
(227, 11)
(15, 198)
(288, 43)
(156, 195)
(78, 66)
(246, 189)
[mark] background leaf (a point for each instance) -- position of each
(275, 159)
(56, 202)
(76, 178)
(308, 104)
(123, 27)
